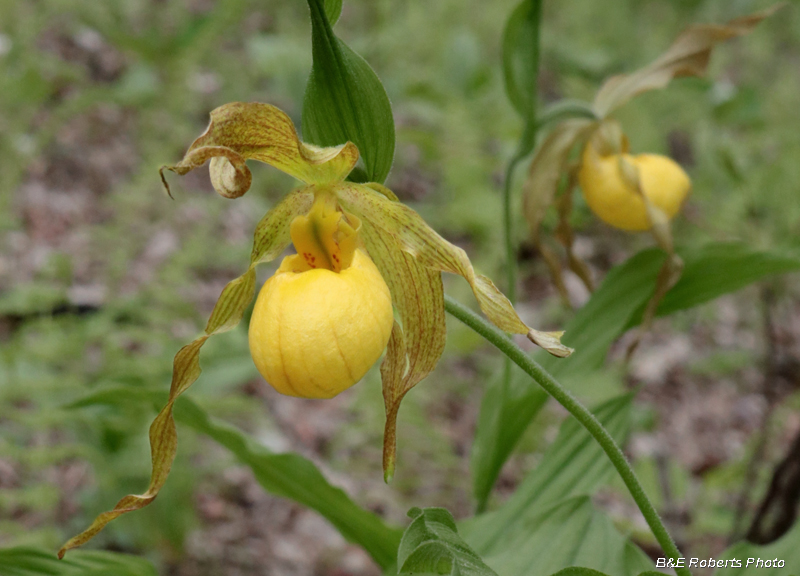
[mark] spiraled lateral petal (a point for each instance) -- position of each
(541, 184)
(688, 55)
(242, 131)
(415, 348)
(271, 238)
(415, 237)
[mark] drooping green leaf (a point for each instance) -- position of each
(521, 57)
(721, 268)
(573, 465)
(431, 545)
(786, 549)
(29, 561)
(287, 475)
(710, 271)
(345, 100)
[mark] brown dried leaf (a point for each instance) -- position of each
(688, 55)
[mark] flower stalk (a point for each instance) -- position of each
(592, 425)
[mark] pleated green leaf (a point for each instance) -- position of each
(30, 561)
(573, 533)
(573, 465)
(345, 100)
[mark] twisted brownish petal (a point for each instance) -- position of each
(271, 238)
(688, 55)
(415, 348)
(418, 239)
(242, 131)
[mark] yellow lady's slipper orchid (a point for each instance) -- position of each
(614, 197)
(327, 314)
(325, 317)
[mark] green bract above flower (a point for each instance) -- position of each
(329, 292)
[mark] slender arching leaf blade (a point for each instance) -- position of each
(521, 57)
(345, 100)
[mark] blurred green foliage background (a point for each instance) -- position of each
(103, 277)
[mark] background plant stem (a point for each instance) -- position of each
(503, 343)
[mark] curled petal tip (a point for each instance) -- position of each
(550, 341)
(164, 180)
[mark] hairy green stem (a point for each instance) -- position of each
(503, 343)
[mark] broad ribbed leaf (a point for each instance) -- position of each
(507, 408)
(618, 304)
(345, 100)
(415, 348)
(286, 475)
(241, 131)
(573, 465)
(521, 57)
(29, 561)
(430, 249)
(688, 55)
(271, 237)
(571, 533)
(431, 545)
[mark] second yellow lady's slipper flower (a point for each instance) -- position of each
(619, 199)
(326, 315)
